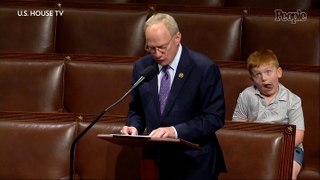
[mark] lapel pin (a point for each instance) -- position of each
(181, 75)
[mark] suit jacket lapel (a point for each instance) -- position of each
(153, 85)
(182, 74)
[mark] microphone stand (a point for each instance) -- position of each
(95, 121)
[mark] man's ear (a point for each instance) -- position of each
(178, 37)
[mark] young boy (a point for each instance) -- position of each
(267, 100)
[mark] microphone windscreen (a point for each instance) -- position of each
(149, 72)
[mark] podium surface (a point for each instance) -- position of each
(145, 141)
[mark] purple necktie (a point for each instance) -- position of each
(164, 88)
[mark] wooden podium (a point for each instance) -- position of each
(149, 168)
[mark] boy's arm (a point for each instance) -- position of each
(296, 117)
(240, 112)
(299, 137)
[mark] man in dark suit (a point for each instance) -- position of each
(193, 106)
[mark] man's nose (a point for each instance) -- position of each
(157, 53)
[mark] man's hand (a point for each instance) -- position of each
(164, 132)
(129, 130)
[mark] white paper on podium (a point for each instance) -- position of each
(145, 140)
(131, 136)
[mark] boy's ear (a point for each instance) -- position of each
(279, 72)
(251, 78)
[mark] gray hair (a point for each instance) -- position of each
(169, 22)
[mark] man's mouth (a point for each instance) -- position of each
(159, 61)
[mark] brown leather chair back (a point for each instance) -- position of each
(235, 80)
(297, 43)
(105, 31)
(215, 35)
(307, 86)
(294, 4)
(22, 32)
(33, 85)
(90, 87)
(100, 159)
(257, 150)
(33, 149)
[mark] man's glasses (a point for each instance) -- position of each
(162, 49)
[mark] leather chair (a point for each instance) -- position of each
(100, 159)
(307, 86)
(234, 81)
(21, 32)
(217, 36)
(32, 149)
(33, 85)
(90, 87)
(257, 150)
(294, 4)
(112, 32)
(210, 3)
(293, 43)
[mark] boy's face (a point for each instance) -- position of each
(266, 79)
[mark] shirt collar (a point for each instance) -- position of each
(176, 59)
(279, 97)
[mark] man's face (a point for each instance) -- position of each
(266, 79)
(161, 44)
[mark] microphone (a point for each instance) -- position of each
(147, 74)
